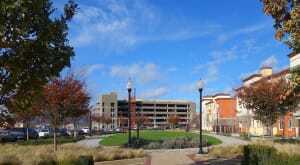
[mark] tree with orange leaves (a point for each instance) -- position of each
(268, 99)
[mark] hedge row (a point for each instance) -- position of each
(266, 155)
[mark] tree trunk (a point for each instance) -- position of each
(283, 127)
(54, 140)
(75, 129)
(138, 131)
(27, 130)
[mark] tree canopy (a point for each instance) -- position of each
(286, 15)
(33, 44)
(267, 99)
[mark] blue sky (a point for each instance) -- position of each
(167, 45)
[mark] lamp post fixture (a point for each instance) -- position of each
(129, 88)
(200, 85)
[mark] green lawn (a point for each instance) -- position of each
(154, 135)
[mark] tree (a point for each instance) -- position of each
(267, 99)
(33, 44)
(63, 98)
(22, 106)
(286, 15)
(140, 121)
(173, 120)
(106, 119)
(98, 119)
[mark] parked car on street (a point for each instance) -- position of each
(21, 133)
(44, 132)
(5, 136)
(85, 130)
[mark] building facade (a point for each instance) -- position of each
(290, 121)
(156, 112)
(219, 113)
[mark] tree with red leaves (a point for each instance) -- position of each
(268, 100)
(63, 98)
(173, 120)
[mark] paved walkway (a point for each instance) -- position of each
(229, 141)
(92, 142)
(179, 156)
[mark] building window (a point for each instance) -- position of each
(281, 123)
(290, 123)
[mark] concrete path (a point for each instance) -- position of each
(170, 158)
(92, 142)
(137, 161)
(229, 141)
(179, 156)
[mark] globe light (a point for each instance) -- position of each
(129, 84)
(200, 84)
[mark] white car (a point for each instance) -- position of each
(44, 133)
(85, 130)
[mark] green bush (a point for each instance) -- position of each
(266, 155)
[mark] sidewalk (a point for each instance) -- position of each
(170, 158)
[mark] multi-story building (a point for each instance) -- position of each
(157, 112)
(107, 109)
(291, 121)
(219, 113)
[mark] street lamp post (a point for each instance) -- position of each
(200, 85)
(129, 87)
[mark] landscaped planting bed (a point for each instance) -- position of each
(156, 139)
(67, 154)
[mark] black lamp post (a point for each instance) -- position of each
(129, 87)
(200, 85)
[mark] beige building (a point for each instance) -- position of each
(107, 107)
(157, 112)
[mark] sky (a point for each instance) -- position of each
(166, 46)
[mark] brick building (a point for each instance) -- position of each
(219, 113)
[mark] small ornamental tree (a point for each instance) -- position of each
(22, 106)
(106, 119)
(98, 119)
(63, 98)
(141, 120)
(267, 99)
(173, 120)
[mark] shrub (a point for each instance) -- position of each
(67, 154)
(226, 152)
(267, 155)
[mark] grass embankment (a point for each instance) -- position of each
(43, 154)
(155, 136)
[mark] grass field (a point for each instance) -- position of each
(154, 135)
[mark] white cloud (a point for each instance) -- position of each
(120, 25)
(172, 69)
(143, 73)
(94, 67)
(270, 62)
(155, 93)
(242, 31)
